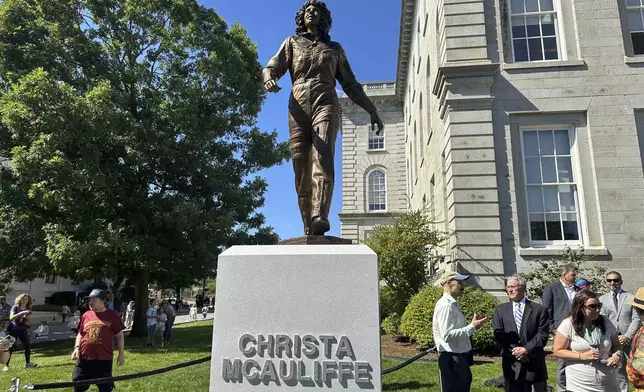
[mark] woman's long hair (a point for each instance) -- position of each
(578, 315)
(325, 20)
(19, 298)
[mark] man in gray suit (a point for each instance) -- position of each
(623, 316)
(557, 298)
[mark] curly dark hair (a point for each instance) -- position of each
(578, 315)
(325, 20)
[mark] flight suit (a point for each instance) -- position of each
(314, 118)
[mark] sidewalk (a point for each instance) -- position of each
(59, 330)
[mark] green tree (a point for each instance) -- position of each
(131, 129)
(544, 272)
(405, 251)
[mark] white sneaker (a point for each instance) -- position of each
(30, 365)
(5, 369)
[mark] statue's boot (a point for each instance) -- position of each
(304, 203)
(320, 225)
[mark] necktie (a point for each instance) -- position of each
(518, 315)
(615, 302)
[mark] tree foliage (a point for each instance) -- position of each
(405, 251)
(131, 130)
(544, 272)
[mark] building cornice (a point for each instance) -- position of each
(404, 45)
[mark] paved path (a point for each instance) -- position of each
(59, 330)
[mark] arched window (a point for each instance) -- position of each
(377, 191)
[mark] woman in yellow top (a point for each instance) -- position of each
(635, 364)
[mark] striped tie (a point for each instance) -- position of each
(518, 315)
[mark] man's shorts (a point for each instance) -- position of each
(151, 329)
(88, 370)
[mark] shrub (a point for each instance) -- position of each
(545, 272)
(391, 325)
(405, 251)
(416, 322)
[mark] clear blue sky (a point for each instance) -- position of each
(368, 30)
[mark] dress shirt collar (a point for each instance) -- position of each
(522, 302)
(449, 297)
(567, 286)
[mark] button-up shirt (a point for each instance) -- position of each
(520, 305)
(570, 290)
(451, 330)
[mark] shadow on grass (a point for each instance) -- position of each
(409, 385)
(186, 338)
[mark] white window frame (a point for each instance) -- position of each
(50, 279)
(559, 31)
(372, 137)
(629, 8)
(369, 190)
(579, 198)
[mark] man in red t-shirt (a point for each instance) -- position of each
(94, 347)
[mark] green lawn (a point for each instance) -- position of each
(192, 341)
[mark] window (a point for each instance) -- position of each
(376, 142)
(550, 186)
(377, 193)
(534, 30)
(50, 279)
(635, 9)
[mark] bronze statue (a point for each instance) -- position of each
(315, 62)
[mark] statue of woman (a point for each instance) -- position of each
(315, 63)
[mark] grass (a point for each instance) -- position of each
(192, 341)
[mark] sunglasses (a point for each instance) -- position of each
(594, 306)
(612, 280)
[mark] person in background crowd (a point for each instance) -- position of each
(114, 303)
(522, 328)
(20, 316)
(616, 307)
(199, 301)
(589, 344)
(129, 319)
(452, 336)
(84, 307)
(204, 311)
(64, 312)
(42, 332)
(582, 284)
(94, 348)
(5, 310)
(635, 364)
(193, 312)
(159, 331)
(557, 298)
(151, 315)
(170, 313)
(74, 321)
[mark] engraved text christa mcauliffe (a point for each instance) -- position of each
(282, 360)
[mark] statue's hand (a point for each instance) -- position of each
(272, 86)
(375, 120)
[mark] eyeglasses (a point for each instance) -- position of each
(612, 280)
(594, 306)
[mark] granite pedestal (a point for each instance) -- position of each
(296, 318)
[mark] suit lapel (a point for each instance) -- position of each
(526, 314)
(510, 315)
(620, 304)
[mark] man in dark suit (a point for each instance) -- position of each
(521, 327)
(557, 298)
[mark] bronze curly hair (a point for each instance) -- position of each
(325, 20)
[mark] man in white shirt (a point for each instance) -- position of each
(452, 335)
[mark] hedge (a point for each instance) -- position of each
(416, 322)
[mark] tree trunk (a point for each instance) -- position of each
(116, 286)
(142, 303)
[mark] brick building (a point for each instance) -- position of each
(518, 122)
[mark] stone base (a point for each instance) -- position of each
(315, 240)
(297, 319)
